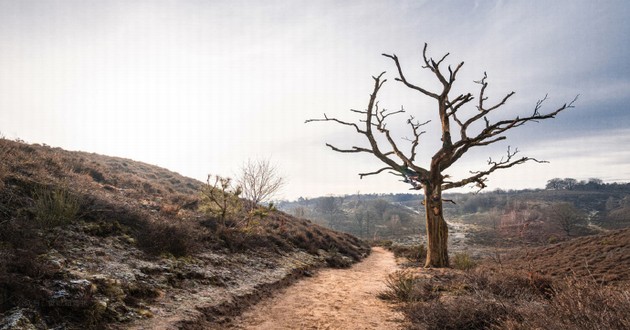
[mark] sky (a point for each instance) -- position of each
(200, 87)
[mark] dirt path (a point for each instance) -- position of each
(332, 299)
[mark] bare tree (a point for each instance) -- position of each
(470, 130)
(259, 181)
(566, 216)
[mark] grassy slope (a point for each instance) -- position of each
(136, 239)
(582, 283)
(604, 258)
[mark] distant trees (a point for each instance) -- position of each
(331, 208)
(461, 128)
(566, 216)
(558, 184)
(572, 184)
(299, 212)
(259, 181)
(364, 220)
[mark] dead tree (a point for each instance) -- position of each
(461, 130)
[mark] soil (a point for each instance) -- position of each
(331, 299)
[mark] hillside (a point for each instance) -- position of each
(604, 258)
(91, 241)
(582, 283)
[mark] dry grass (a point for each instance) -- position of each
(50, 197)
(414, 253)
(582, 283)
(487, 298)
(604, 258)
(463, 261)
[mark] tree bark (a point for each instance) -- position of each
(437, 230)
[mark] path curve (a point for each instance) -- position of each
(331, 299)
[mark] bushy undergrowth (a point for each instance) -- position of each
(576, 304)
(52, 202)
(463, 261)
(54, 206)
(416, 253)
(405, 286)
(480, 299)
(161, 236)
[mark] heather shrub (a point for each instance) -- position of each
(463, 261)
(404, 286)
(414, 253)
(510, 284)
(482, 299)
(178, 238)
(577, 304)
(337, 260)
(455, 314)
(54, 207)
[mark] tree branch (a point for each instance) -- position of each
(337, 121)
(354, 149)
(401, 77)
(479, 177)
(375, 122)
(361, 175)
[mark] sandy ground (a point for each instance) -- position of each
(331, 299)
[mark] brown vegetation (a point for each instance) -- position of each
(604, 258)
(582, 283)
(76, 227)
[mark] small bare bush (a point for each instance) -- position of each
(260, 181)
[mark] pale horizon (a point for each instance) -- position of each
(201, 87)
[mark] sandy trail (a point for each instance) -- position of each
(332, 299)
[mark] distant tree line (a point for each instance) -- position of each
(366, 216)
(573, 184)
(564, 204)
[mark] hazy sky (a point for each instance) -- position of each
(199, 87)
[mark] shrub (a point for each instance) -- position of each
(401, 286)
(54, 207)
(578, 304)
(485, 299)
(220, 198)
(179, 238)
(337, 260)
(455, 314)
(463, 261)
(511, 285)
(384, 243)
(414, 253)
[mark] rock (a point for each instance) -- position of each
(22, 319)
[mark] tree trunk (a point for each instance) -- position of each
(437, 231)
